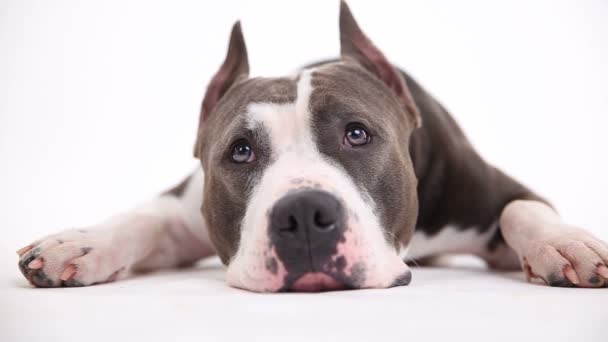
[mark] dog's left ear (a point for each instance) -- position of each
(354, 44)
(235, 67)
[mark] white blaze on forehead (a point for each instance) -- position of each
(288, 124)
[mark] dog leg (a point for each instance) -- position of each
(166, 232)
(549, 249)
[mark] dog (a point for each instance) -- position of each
(326, 180)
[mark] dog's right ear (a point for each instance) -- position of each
(235, 67)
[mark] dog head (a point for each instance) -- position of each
(309, 183)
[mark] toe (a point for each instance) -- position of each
(24, 250)
(36, 264)
(547, 263)
(39, 278)
(599, 247)
(571, 275)
(68, 273)
(602, 271)
(27, 258)
(67, 277)
(585, 261)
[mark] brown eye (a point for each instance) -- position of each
(242, 152)
(356, 135)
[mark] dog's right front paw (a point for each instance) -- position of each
(72, 258)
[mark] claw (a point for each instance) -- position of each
(528, 271)
(68, 273)
(602, 270)
(35, 264)
(571, 274)
(24, 250)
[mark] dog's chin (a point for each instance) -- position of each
(322, 282)
(317, 282)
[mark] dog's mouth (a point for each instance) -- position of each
(317, 282)
(323, 282)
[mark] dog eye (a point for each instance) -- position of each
(242, 152)
(356, 135)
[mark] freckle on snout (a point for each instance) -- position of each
(272, 266)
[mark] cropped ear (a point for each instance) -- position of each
(354, 44)
(235, 66)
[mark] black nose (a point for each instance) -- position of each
(305, 228)
(306, 212)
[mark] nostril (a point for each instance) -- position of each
(308, 211)
(291, 227)
(324, 223)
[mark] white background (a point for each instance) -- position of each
(99, 100)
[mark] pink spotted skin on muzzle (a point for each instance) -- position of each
(316, 282)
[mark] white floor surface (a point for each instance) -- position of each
(195, 305)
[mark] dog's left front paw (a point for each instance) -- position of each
(571, 258)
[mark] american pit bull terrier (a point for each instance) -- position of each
(326, 180)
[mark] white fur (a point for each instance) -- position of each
(449, 239)
(191, 202)
(164, 232)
